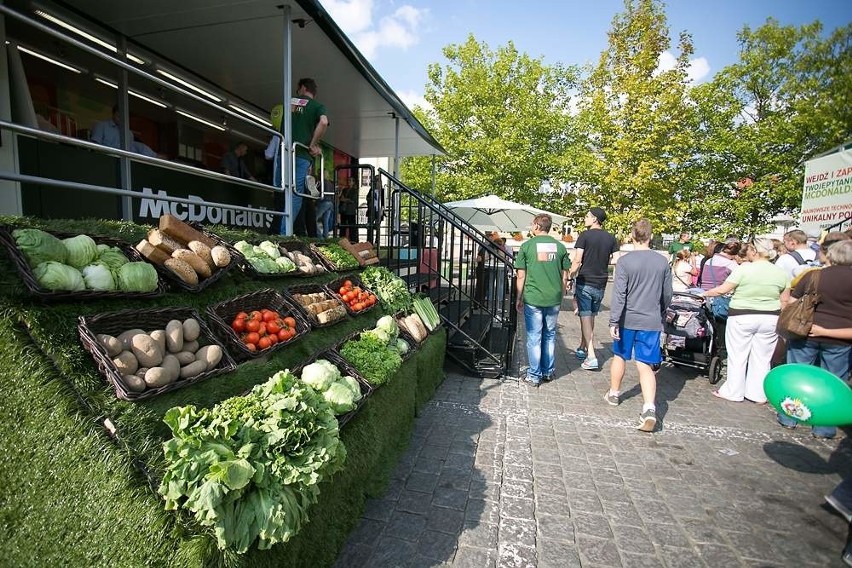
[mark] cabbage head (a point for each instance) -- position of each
(82, 250)
(339, 397)
(97, 276)
(389, 325)
(263, 264)
(137, 277)
(285, 264)
(270, 248)
(320, 374)
(402, 346)
(113, 258)
(58, 276)
(245, 248)
(39, 246)
(353, 385)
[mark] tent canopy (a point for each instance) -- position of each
(491, 211)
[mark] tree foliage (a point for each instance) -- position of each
(500, 115)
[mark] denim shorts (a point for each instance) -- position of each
(588, 299)
(641, 344)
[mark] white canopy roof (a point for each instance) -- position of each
(491, 212)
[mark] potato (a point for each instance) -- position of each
(191, 346)
(112, 345)
(126, 363)
(172, 366)
(159, 336)
(193, 370)
(146, 350)
(185, 358)
(191, 330)
(140, 372)
(134, 383)
(158, 377)
(210, 354)
(174, 336)
(127, 336)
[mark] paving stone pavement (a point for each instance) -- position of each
(499, 473)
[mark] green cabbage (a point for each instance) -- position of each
(320, 374)
(402, 346)
(339, 397)
(389, 325)
(82, 250)
(263, 264)
(244, 248)
(271, 249)
(285, 264)
(137, 277)
(353, 385)
(57, 276)
(39, 246)
(112, 257)
(98, 277)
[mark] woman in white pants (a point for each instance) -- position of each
(759, 288)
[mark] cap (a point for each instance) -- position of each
(599, 214)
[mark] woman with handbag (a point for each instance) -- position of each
(758, 287)
(832, 312)
(683, 271)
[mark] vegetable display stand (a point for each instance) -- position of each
(36, 289)
(334, 310)
(223, 315)
(345, 369)
(116, 323)
(363, 295)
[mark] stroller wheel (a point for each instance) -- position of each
(714, 374)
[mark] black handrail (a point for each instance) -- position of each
(839, 225)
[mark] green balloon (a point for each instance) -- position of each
(809, 394)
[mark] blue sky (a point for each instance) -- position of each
(401, 38)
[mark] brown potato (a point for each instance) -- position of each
(191, 330)
(174, 336)
(172, 366)
(185, 357)
(159, 337)
(127, 336)
(126, 363)
(193, 369)
(146, 350)
(112, 345)
(134, 383)
(210, 354)
(191, 346)
(158, 377)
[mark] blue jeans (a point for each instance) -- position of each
(588, 299)
(302, 167)
(541, 340)
(833, 358)
(324, 215)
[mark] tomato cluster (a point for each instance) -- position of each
(262, 329)
(356, 297)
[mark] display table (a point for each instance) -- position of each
(74, 495)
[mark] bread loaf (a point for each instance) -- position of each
(152, 253)
(182, 270)
(195, 261)
(221, 256)
(177, 229)
(163, 241)
(203, 251)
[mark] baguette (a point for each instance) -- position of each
(182, 270)
(163, 241)
(151, 253)
(203, 251)
(177, 229)
(195, 261)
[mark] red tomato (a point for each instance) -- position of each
(241, 315)
(343, 290)
(283, 335)
(290, 332)
(273, 338)
(255, 315)
(290, 322)
(262, 330)
(253, 325)
(239, 325)
(252, 338)
(269, 315)
(358, 306)
(348, 284)
(264, 343)
(273, 327)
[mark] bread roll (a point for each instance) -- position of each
(152, 253)
(195, 261)
(163, 241)
(203, 251)
(221, 256)
(182, 270)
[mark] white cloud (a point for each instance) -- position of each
(413, 98)
(697, 70)
(355, 18)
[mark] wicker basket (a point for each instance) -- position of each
(311, 289)
(307, 250)
(247, 267)
(338, 347)
(26, 273)
(221, 315)
(345, 369)
(331, 266)
(174, 280)
(115, 323)
(399, 315)
(334, 289)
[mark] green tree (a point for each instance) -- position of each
(759, 120)
(501, 116)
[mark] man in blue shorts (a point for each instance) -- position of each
(642, 290)
(592, 254)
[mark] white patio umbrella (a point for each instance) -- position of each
(492, 211)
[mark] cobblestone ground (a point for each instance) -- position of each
(502, 474)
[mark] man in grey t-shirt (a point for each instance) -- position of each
(642, 290)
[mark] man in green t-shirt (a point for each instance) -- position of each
(683, 243)
(542, 265)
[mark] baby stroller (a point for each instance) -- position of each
(689, 336)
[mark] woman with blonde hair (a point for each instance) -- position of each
(682, 271)
(758, 287)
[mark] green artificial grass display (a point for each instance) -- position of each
(71, 495)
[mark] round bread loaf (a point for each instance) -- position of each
(203, 251)
(195, 261)
(221, 256)
(183, 270)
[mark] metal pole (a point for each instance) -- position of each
(433, 175)
(287, 173)
(124, 130)
(396, 146)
